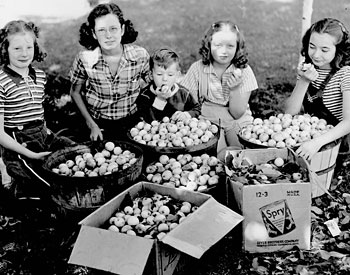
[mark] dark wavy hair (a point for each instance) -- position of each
(87, 29)
(336, 29)
(19, 26)
(164, 58)
(240, 59)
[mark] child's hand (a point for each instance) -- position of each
(163, 92)
(308, 149)
(180, 116)
(307, 71)
(235, 79)
(96, 133)
(41, 155)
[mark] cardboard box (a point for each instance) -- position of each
(276, 216)
(123, 254)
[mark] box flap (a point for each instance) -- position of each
(202, 229)
(105, 250)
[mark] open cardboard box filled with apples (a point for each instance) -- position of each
(271, 188)
(203, 173)
(174, 222)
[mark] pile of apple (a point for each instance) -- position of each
(150, 216)
(275, 171)
(109, 160)
(169, 133)
(284, 130)
(195, 173)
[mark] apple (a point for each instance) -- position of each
(70, 163)
(119, 222)
(166, 175)
(140, 125)
(79, 174)
(213, 180)
(87, 155)
(164, 210)
(133, 220)
(213, 161)
(113, 228)
(109, 146)
(134, 132)
(172, 128)
(166, 119)
(164, 159)
(128, 210)
(157, 178)
(278, 162)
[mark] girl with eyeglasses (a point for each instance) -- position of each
(24, 138)
(107, 76)
(222, 80)
(323, 82)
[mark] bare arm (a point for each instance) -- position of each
(11, 144)
(76, 95)
(308, 149)
(294, 103)
(241, 84)
(238, 103)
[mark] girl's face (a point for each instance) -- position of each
(322, 49)
(162, 76)
(21, 50)
(108, 32)
(223, 46)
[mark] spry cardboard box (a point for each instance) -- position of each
(124, 254)
(277, 216)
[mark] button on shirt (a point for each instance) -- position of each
(107, 96)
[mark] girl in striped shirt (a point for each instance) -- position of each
(222, 81)
(323, 85)
(25, 141)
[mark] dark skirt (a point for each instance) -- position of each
(27, 173)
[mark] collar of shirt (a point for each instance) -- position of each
(210, 69)
(129, 53)
(16, 77)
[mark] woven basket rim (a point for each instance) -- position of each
(120, 173)
(253, 145)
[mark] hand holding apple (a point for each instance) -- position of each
(235, 79)
(307, 71)
(180, 116)
(163, 92)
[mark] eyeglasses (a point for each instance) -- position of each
(103, 31)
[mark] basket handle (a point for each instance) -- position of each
(316, 181)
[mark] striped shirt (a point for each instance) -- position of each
(333, 93)
(21, 99)
(107, 96)
(218, 92)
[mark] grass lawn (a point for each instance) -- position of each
(272, 29)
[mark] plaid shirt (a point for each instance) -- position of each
(109, 97)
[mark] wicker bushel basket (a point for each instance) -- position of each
(323, 163)
(88, 193)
